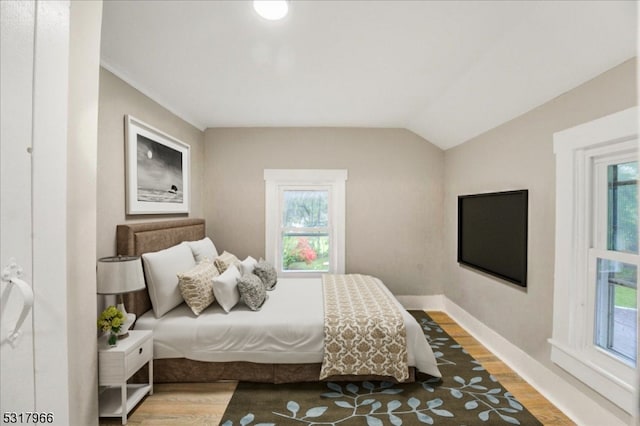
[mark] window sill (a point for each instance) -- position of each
(301, 274)
(580, 363)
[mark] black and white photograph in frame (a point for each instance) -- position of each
(157, 170)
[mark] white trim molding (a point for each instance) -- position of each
(423, 303)
(578, 151)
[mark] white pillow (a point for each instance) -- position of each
(161, 269)
(247, 265)
(203, 248)
(225, 288)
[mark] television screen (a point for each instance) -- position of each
(492, 234)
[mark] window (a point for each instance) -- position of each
(305, 216)
(595, 288)
(305, 231)
(616, 308)
(615, 233)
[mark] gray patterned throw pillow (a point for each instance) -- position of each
(267, 274)
(252, 291)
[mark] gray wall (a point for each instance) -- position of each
(117, 98)
(394, 195)
(519, 155)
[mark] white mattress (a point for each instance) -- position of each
(289, 329)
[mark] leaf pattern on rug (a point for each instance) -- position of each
(467, 394)
(362, 402)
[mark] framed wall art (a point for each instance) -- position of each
(157, 170)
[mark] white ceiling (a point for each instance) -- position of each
(446, 70)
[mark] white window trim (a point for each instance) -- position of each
(277, 179)
(573, 313)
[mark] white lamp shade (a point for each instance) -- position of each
(120, 274)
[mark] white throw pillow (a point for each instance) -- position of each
(202, 249)
(247, 265)
(225, 288)
(161, 269)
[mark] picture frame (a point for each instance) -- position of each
(157, 170)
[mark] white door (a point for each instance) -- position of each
(16, 90)
(34, 60)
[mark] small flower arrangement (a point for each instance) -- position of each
(110, 320)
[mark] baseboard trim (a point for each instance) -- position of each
(423, 303)
(571, 401)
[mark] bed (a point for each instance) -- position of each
(282, 342)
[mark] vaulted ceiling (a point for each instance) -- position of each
(447, 70)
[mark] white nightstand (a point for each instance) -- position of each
(116, 366)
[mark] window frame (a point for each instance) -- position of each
(573, 347)
(279, 180)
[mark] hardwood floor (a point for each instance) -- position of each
(205, 403)
(200, 404)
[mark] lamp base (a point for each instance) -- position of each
(124, 328)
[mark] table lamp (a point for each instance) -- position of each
(118, 275)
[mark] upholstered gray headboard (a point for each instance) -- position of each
(134, 239)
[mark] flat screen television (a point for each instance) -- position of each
(492, 234)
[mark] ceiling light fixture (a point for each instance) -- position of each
(271, 9)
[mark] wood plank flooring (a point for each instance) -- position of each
(204, 404)
(200, 404)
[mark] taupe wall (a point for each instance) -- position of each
(394, 195)
(519, 155)
(117, 99)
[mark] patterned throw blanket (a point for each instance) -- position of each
(364, 332)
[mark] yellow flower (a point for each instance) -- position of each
(111, 319)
